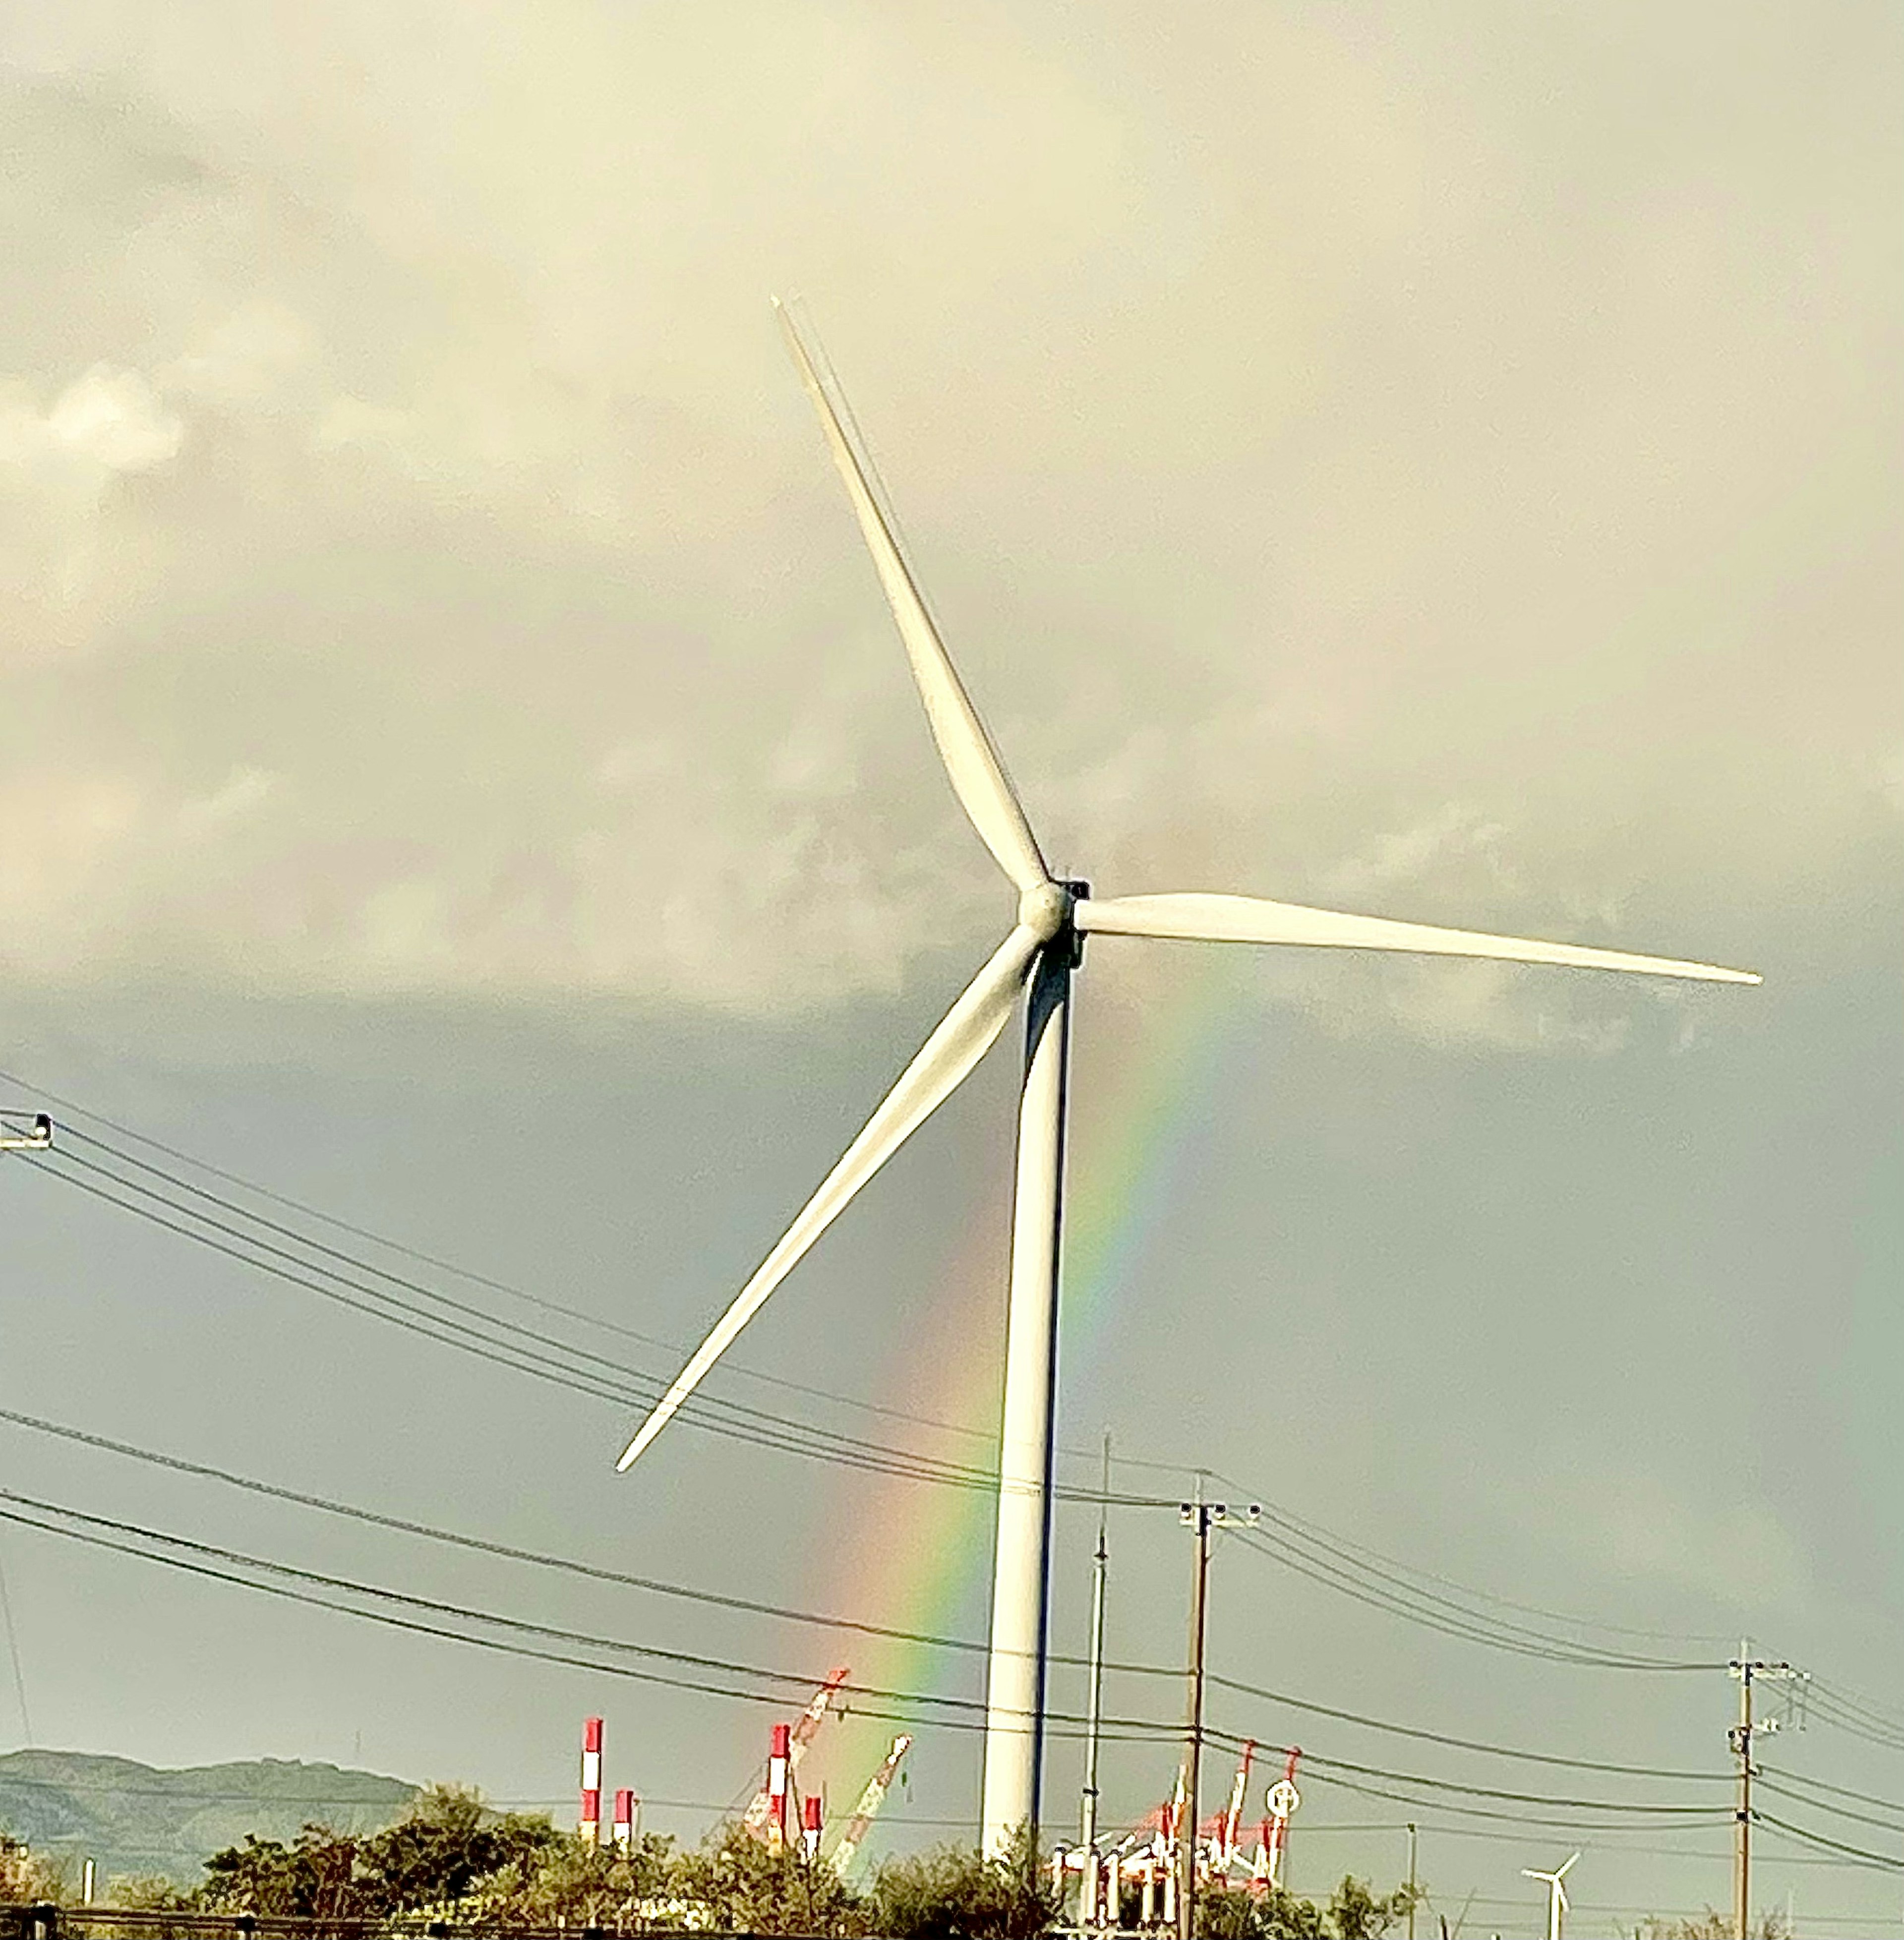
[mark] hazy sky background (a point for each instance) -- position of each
(458, 770)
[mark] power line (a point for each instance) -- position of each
(1772, 1783)
(719, 1416)
(1336, 1565)
(753, 1606)
(1696, 1819)
(1300, 1527)
(311, 1587)
(1350, 1568)
(1247, 1690)
(1473, 1628)
(532, 1355)
(1858, 1718)
(324, 1589)
(1326, 1767)
(1839, 1791)
(306, 1586)
(510, 1552)
(1881, 1861)
(289, 1802)
(580, 1368)
(1341, 1554)
(510, 1288)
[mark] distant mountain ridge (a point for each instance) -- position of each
(131, 1818)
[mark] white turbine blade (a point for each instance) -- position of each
(1213, 919)
(1567, 1866)
(978, 776)
(963, 1036)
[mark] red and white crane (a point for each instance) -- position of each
(760, 1816)
(1221, 1836)
(846, 1848)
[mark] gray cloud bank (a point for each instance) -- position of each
(1446, 464)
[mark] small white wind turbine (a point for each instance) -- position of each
(1037, 957)
(1556, 1894)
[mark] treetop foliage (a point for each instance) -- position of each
(452, 1859)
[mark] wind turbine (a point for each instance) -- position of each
(1038, 959)
(1556, 1894)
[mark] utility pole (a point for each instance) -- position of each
(1201, 1517)
(1087, 1887)
(1411, 1888)
(1198, 1515)
(1747, 1669)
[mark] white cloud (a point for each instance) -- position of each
(59, 465)
(113, 419)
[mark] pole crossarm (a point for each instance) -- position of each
(37, 1136)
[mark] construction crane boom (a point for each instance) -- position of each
(1225, 1845)
(800, 1736)
(847, 1849)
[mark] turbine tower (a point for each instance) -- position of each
(1556, 1894)
(1037, 960)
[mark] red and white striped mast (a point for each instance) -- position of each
(779, 1762)
(589, 1823)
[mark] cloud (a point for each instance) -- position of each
(104, 421)
(1635, 1524)
(59, 466)
(1337, 484)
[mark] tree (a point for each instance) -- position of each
(571, 1883)
(442, 1846)
(1711, 1925)
(27, 1876)
(739, 1883)
(1354, 1912)
(956, 1893)
(313, 1876)
(429, 1861)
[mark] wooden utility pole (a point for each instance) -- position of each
(1199, 1515)
(1747, 1669)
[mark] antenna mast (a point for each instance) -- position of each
(1088, 1889)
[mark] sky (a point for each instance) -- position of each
(459, 773)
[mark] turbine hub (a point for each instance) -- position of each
(1045, 910)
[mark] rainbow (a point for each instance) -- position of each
(1127, 1155)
